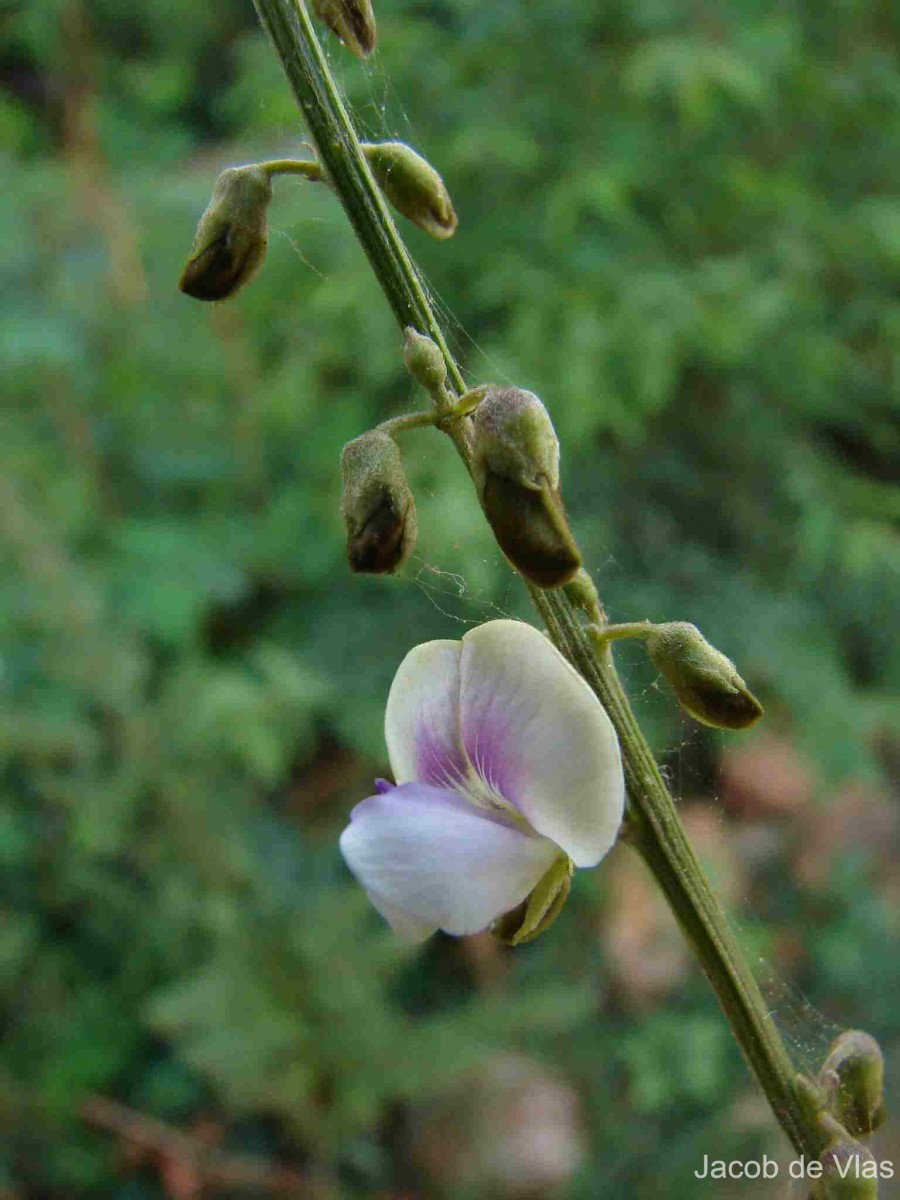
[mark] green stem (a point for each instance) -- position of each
(659, 836)
(288, 25)
(416, 420)
(310, 170)
(654, 824)
(602, 635)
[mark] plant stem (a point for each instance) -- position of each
(289, 26)
(294, 166)
(416, 420)
(655, 826)
(602, 635)
(659, 836)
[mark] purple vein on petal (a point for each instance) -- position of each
(485, 740)
(422, 718)
(439, 761)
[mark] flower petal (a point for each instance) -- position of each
(421, 724)
(430, 860)
(407, 927)
(536, 733)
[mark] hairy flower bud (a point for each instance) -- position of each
(850, 1172)
(705, 682)
(853, 1076)
(231, 238)
(352, 20)
(540, 909)
(412, 186)
(424, 360)
(377, 505)
(516, 464)
(582, 591)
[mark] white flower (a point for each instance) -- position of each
(504, 760)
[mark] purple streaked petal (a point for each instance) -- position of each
(429, 859)
(383, 786)
(536, 732)
(421, 723)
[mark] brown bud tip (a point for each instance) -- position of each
(412, 186)
(232, 235)
(352, 20)
(705, 682)
(516, 463)
(424, 360)
(532, 530)
(853, 1077)
(849, 1172)
(377, 505)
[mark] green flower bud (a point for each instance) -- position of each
(377, 505)
(516, 465)
(704, 680)
(539, 910)
(424, 360)
(853, 1076)
(352, 20)
(582, 591)
(232, 235)
(810, 1097)
(849, 1172)
(412, 186)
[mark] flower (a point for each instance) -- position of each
(413, 186)
(377, 505)
(505, 761)
(352, 20)
(515, 456)
(705, 682)
(232, 235)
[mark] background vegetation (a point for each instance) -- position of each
(680, 225)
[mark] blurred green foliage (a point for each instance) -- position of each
(681, 227)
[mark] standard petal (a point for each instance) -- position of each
(537, 734)
(421, 724)
(428, 860)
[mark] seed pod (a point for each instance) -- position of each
(705, 682)
(377, 505)
(853, 1076)
(850, 1172)
(352, 20)
(540, 909)
(232, 235)
(424, 360)
(516, 464)
(412, 186)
